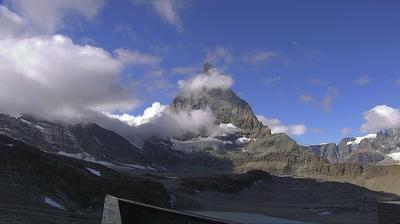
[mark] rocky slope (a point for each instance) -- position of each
(38, 184)
(381, 147)
(88, 141)
(226, 106)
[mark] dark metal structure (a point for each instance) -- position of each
(121, 211)
(389, 212)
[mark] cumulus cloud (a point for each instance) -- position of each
(219, 56)
(136, 58)
(159, 120)
(210, 79)
(363, 80)
(148, 115)
(277, 126)
(258, 57)
(47, 15)
(330, 95)
(50, 76)
(380, 117)
(166, 9)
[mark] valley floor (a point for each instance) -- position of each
(295, 199)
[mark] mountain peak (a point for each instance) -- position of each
(225, 105)
(207, 67)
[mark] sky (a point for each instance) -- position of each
(317, 70)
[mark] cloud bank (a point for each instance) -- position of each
(381, 117)
(53, 77)
(277, 126)
(159, 120)
(49, 76)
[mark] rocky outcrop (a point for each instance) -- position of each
(327, 151)
(277, 154)
(370, 149)
(226, 106)
(29, 175)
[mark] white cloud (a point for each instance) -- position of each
(11, 24)
(148, 115)
(167, 10)
(380, 117)
(52, 77)
(258, 57)
(158, 120)
(362, 80)
(219, 56)
(306, 98)
(346, 131)
(272, 79)
(330, 95)
(276, 126)
(211, 79)
(136, 58)
(47, 15)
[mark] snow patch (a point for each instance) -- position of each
(40, 127)
(226, 129)
(93, 171)
(395, 156)
(242, 140)
(359, 139)
(326, 213)
(52, 203)
(172, 200)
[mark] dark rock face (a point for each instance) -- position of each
(28, 175)
(105, 145)
(368, 150)
(162, 151)
(366, 157)
(87, 141)
(277, 154)
(344, 149)
(389, 137)
(327, 151)
(226, 106)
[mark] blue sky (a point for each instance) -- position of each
(317, 63)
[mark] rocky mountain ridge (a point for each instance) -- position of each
(84, 141)
(380, 148)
